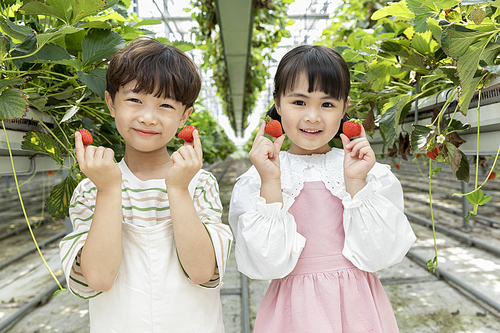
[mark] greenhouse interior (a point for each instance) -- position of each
(416, 192)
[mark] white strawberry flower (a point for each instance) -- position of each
(440, 138)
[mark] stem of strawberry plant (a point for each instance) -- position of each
(24, 210)
(435, 261)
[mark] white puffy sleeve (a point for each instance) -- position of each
(267, 244)
(377, 232)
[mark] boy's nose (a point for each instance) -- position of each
(147, 117)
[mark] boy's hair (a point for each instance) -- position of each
(325, 69)
(159, 69)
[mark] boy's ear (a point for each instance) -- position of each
(109, 102)
(185, 117)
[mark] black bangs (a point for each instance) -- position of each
(159, 69)
(326, 71)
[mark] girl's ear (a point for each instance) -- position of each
(277, 106)
(110, 103)
(185, 117)
(346, 105)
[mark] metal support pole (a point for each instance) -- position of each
(244, 304)
(465, 206)
(417, 91)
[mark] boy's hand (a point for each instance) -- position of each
(98, 164)
(359, 157)
(187, 161)
(265, 155)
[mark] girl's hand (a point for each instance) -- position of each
(359, 157)
(187, 161)
(97, 163)
(265, 155)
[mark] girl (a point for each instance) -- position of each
(318, 220)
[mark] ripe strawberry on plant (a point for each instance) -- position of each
(86, 136)
(186, 133)
(352, 128)
(433, 153)
(492, 176)
(273, 127)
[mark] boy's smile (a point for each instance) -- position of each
(146, 123)
(309, 119)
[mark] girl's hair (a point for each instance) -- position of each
(159, 69)
(326, 71)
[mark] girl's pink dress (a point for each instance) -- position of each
(325, 292)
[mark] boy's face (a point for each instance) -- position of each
(145, 122)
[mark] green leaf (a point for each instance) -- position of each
(397, 9)
(437, 31)
(10, 82)
(50, 52)
(458, 162)
(378, 75)
(183, 46)
(460, 38)
(96, 25)
(477, 197)
(444, 4)
(83, 8)
(389, 121)
(419, 8)
(457, 126)
(419, 136)
(424, 43)
(5, 43)
(467, 93)
(468, 62)
(42, 143)
(45, 9)
(26, 47)
(95, 79)
(146, 22)
(99, 45)
(59, 198)
(14, 31)
(13, 104)
(490, 53)
(47, 37)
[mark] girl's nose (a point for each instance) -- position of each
(312, 116)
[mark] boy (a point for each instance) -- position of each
(148, 248)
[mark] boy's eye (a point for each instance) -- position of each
(167, 106)
(135, 100)
(302, 103)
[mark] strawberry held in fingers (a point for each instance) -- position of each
(352, 128)
(86, 136)
(273, 127)
(186, 133)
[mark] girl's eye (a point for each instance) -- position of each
(301, 103)
(327, 105)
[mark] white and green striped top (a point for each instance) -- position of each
(145, 204)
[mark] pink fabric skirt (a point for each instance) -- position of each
(326, 294)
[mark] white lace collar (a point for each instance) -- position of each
(330, 165)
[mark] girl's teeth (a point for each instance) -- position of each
(310, 131)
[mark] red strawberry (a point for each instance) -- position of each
(86, 136)
(397, 166)
(186, 133)
(49, 172)
(273, 127)
(433, 153)
(352, 128)
(491, 176)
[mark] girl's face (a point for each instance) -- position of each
(310, 120)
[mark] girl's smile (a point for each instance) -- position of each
(309, 119)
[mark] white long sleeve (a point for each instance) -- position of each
(267, 244)
(377, 232)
